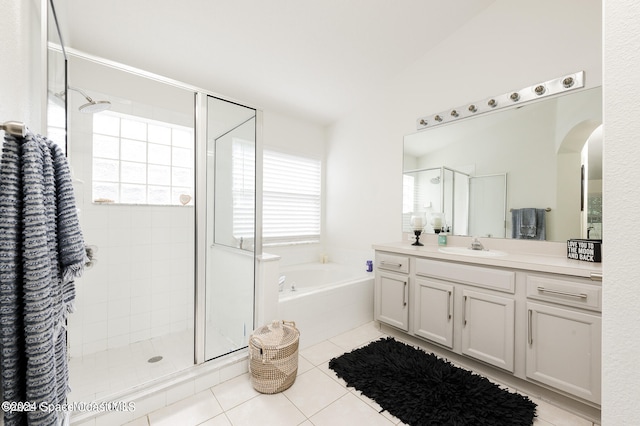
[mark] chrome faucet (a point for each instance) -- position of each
(476, 244)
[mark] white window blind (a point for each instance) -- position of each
(243, 171)
(291, 198)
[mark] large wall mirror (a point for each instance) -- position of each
(468, 176)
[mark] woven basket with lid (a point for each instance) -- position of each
(273, 356)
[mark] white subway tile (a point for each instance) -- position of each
(118, 327)
(118, 341)
(95, 346)
(140, 322)
(140, 305)
(119, 308)
(94, 332)
(120, 272)
(140, 336)
(94, 313)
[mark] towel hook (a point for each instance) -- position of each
(15, 128)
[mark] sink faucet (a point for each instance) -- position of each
(476, 244)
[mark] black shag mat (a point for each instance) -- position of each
(422, 389)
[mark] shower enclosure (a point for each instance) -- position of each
(165, 182)
(440, 191)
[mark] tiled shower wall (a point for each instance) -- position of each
(142, 284)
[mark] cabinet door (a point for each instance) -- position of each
(391, 299)
(563, 349)
(488, 326)
(433, 311)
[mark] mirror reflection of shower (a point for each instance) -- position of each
(440, 195)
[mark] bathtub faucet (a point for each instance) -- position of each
(281, 282)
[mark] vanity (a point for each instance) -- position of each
(520, 312)
(531, 316)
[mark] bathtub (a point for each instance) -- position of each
(326, 300)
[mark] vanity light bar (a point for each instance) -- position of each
(537, 91)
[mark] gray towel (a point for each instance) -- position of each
(41, 253)
(528, 224)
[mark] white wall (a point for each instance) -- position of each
(21, 87)
(621, 300)
(512, 44)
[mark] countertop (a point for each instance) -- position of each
(515, 258)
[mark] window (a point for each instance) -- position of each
(141, 161)
(291, 199)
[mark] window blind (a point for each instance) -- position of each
(291, 198)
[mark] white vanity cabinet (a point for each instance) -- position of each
(391, 292)
(564, 331)
(486, 315)
(433, 311)
(532, 317)
(488, 327)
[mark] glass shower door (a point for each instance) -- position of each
(230, 226)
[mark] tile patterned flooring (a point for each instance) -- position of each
(317, 398)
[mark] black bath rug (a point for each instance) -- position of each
(422, 389)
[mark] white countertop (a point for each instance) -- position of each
(515, 259)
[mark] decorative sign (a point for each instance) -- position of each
(585, 250)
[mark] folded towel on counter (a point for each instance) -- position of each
(528, 224)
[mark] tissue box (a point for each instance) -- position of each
(585, 250)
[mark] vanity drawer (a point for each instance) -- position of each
(392, 262)
(565, 292)
(494, 279)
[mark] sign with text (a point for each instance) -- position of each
(585, 250)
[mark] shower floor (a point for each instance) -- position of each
(97, 375)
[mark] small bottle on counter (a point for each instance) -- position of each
(369, 265)
(442, 237)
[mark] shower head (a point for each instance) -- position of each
(94, 106)
(435, 180)
(91, 107)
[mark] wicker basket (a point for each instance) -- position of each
(273, 356)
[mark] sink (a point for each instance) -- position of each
(465, 251)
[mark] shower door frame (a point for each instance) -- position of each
(201, 115)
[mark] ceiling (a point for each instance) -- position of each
(312, 59)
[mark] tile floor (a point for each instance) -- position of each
(317, 398)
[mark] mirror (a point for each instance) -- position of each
(467, 176)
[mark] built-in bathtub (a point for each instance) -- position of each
(327, 299)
